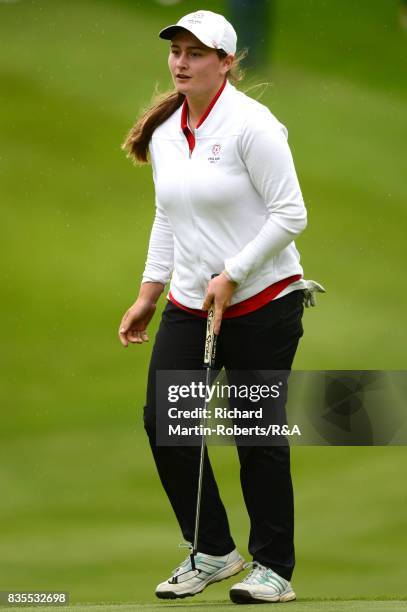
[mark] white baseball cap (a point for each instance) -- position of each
(212, 29)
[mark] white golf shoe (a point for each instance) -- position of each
(261, 585)
(186, 581)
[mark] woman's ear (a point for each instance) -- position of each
(227, 63)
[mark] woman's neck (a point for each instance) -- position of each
(197, 105)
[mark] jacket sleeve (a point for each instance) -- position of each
(267, 157)
(160, 256)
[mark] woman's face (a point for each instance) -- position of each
(196, 69)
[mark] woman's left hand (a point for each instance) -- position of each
(220, 291)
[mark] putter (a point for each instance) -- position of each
(209, 362)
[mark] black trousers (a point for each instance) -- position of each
(266, 339)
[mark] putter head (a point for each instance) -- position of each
(190, 572)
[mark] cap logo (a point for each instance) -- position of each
(196, 18)
(216, 149)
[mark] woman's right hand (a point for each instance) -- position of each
(133, 327)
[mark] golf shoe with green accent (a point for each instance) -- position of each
(261, 585)
(186, 581)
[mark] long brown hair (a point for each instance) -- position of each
(162, 107)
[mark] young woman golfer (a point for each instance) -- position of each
(227, 202)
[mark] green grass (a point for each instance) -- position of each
(83, 512)
(326, 605)
(81, 507)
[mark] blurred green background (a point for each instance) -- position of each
(81, 507)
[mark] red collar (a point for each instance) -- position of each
(184, 118)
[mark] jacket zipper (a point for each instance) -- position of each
(186, 195)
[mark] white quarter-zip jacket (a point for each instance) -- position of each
(234, 203)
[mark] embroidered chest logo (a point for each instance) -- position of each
(215, 157)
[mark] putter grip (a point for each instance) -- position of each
(210, 340)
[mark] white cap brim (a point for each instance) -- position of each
(169, 32)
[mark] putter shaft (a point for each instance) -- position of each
(209, 360)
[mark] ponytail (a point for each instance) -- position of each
(137, 141)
